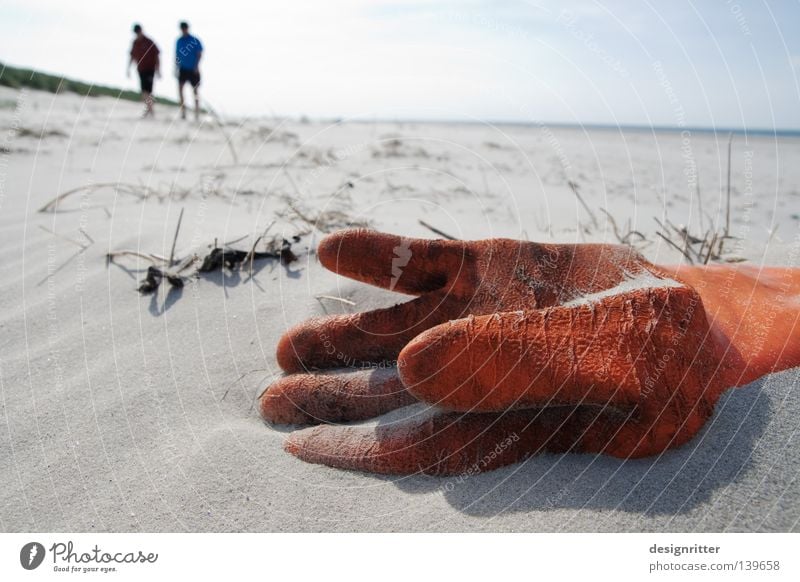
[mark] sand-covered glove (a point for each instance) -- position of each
(524, 348)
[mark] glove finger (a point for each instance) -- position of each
(597, 352)
(359, 339)
(405, 265)
(343, 396)
(447, 443)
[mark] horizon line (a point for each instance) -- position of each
(603, 126)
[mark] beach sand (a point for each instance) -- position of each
(122, 412)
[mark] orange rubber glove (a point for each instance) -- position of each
(524, 348)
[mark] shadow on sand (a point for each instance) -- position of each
(167, 296)
(673, 483)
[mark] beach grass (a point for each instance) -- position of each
(19, 78)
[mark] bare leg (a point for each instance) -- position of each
(148, 103)
(180, 99)
(196, 104)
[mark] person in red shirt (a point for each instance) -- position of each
(144, 53)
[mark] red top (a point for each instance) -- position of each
(145, 52)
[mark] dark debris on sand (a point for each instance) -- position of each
(218, 259)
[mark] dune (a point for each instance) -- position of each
(125, 412)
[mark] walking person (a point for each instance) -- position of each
(144, 53)
(188, 51)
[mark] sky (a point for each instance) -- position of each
(701, 63)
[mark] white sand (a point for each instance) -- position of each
(114, 408)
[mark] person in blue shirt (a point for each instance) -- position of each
(188, 51)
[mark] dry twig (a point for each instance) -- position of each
(574, 187)
(435, 230)
(120, 187)
(332, 298)
(175, 238)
